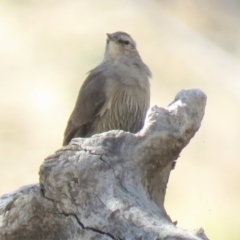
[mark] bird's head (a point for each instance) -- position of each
(120, 44)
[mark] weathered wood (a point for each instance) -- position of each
(109, 186)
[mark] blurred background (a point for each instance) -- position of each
(46, 49)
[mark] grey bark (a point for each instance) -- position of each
(109, 186)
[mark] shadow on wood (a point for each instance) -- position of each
(109, 186)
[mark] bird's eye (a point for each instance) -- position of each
(125, 42)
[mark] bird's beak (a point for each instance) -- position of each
(110, 37)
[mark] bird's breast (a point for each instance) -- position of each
(131, 73)
(126, 107)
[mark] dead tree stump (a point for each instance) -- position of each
(109, 186)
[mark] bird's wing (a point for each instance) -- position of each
(90, 101)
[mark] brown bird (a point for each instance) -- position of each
(115, 95)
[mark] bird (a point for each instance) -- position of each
(115, 94)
